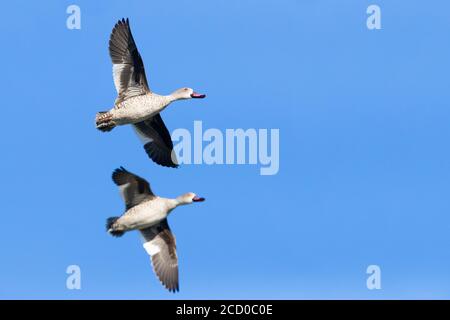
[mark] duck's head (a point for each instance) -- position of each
(189, 198)
(186, 93)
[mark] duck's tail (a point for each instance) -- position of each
(110, 228)
(104, 122)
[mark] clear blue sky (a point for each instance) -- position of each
(364, 159)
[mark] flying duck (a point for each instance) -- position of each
(136, 104)
(148, 213)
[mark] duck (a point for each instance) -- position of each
(136, 104)
(147, 213)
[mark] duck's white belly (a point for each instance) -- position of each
(139, 108)
(144, 215)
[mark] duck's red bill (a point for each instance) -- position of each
(198, 199)
(196, 95)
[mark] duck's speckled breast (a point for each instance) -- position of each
(139, 108)
(145, 214)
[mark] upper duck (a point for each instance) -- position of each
(148, 213)
(136, 104)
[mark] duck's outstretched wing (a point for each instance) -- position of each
(128, 68)
(133, 188)
(159, 243)
(157, 141)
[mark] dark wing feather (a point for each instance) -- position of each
(134, 189)
(128, 68)
(157, 141)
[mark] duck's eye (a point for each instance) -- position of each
(185, 89)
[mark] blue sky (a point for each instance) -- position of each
(364, 160)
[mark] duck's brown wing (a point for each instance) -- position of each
(134, 189)
(128, 68)
(161, 246)
(157, 141)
